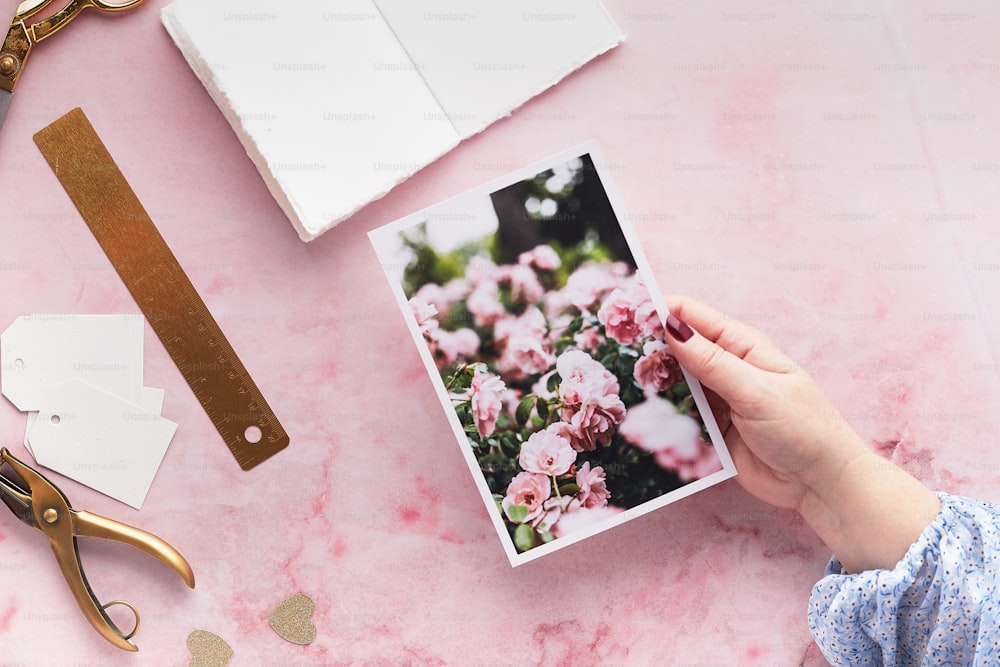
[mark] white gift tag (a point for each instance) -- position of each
(100, 440)
(39, 351)
(152, 400)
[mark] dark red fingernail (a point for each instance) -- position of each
(678, 330)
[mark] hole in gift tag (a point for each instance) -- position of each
(253, 434)
(55, 419)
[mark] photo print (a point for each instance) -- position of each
(541, 327)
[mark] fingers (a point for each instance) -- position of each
(717, 368)
(740, 340)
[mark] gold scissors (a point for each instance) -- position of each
(37, 502)
(21, 38)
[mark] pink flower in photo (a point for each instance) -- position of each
(424, 313)
(593, 424)
(466, 342)
(674, 438)
(657, 370)
(581, 519)
(487, 391)
(443, 297)
(552, 510)
(593, 489)
(563, 430)
(530, 324)
(655, 426)
(433, 294)
(442, 345)
(523, 357)
(583, 377)
(629, 315)
(484, 304)
(591, 405)
(528, 490)
(542, 257)
(524, 285)
(586, 284)
(482, 269)
(588, 339)
(703, 466)
(448, 346)
(547, 453)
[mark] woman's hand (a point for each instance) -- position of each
(791, 447)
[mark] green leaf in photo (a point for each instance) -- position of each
(625, 365)
(523, 412)
(517, 513)
(524, 537)
(460, 380)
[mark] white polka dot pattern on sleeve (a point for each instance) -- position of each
(938, 606)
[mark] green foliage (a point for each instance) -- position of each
(498, 469)
(517, 513)
(524, 537)
(430, 266)
(524, 408)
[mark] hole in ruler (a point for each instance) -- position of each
(19, 364)
(55, 419)
(253, 434)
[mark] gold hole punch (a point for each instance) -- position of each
(38, 503)
(135, 612)
(22, 37)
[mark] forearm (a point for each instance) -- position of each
(871, 513)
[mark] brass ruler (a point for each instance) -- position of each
(162, 290)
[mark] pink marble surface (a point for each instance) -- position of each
(827, 171)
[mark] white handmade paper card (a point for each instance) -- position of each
(538, 319)
(338, 102)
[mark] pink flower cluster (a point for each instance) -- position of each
(526, 334)
(657, 370)
(545, 457)
(446, 346)
(591, 407)
(486, 395)
(629, 315)
(675, 439)
(523, 341)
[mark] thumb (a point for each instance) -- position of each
(715, 367)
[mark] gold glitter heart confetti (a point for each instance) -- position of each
(209, 650)
(291, 620)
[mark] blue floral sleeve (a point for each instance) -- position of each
(939, 606)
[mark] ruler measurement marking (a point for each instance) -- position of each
(164, 293)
